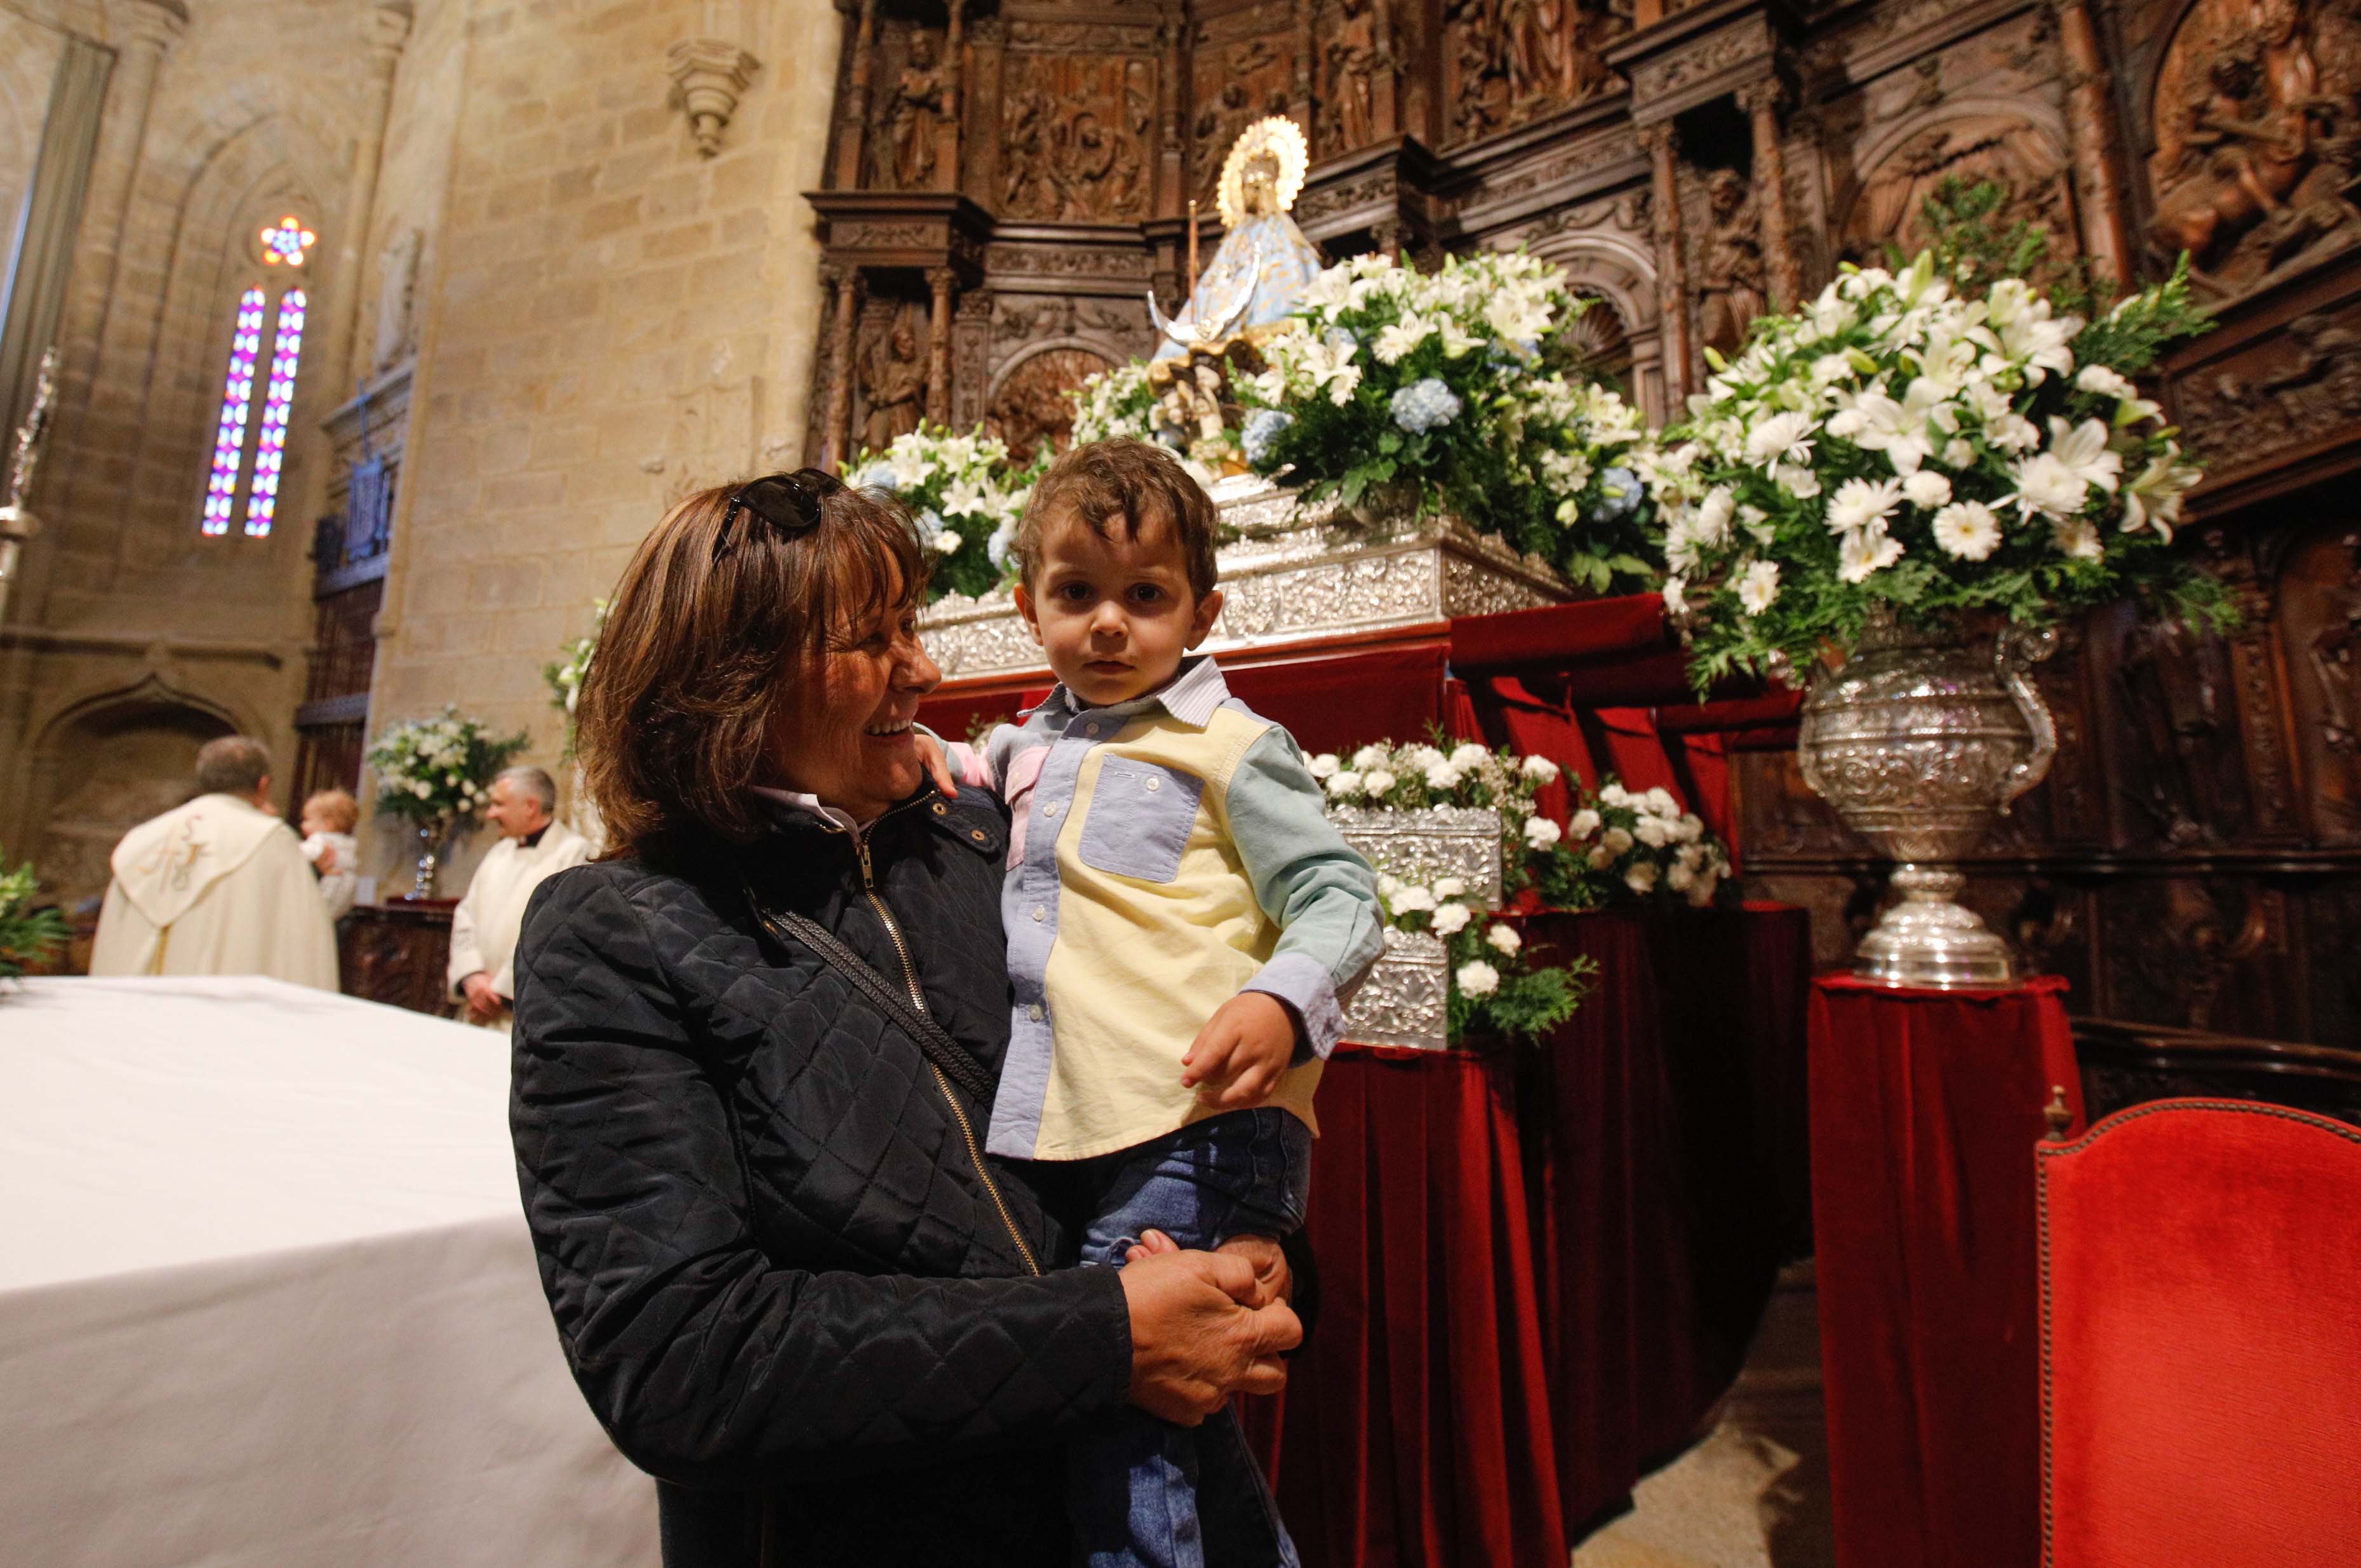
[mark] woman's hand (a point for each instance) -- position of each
(1193, 1340)
(1274, 1280)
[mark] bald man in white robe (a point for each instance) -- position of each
(535, 846)
(217, 886)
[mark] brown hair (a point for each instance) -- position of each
(705, 640)
(339, 810)
(1129, 484)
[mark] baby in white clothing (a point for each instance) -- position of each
(329, 819)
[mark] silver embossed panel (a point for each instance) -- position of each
(1421, 846)
(1405, 999)
(1293, 574)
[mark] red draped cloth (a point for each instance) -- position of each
(1926, 1107)
(1416, 1429)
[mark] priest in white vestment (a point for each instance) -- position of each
(217, 886)
(484, 929)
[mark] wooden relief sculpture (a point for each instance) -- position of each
(894, 374)
(1234, 86)
(1351, 56)
(2013, 153)
(1730, 286)
(1510, 60)
(911, 119)
(2256, 136)
(1032, 406)
(1074, 137)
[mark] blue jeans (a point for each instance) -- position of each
(1135, 1486)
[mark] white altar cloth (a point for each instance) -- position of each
(267, 1299)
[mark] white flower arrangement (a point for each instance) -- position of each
(1624, 844)
(1450, 386)
(1493, 988)
(1917, 439)
(439, 770)
(566, 677)
(966, 495)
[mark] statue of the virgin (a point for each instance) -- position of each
(1264, 262)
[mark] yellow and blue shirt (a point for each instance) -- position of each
(1170, 853)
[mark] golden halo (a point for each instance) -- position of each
(1278, 136)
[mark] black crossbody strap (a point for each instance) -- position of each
(957, 1063)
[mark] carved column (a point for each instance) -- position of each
(836, 440)
(1385, 113)
(1663, 146)
(1171, 177)
(852, 142)
(946, 153)
(2090, 131)
(386, 29)
(1387, 233)
(1761, 102)
(938, 347)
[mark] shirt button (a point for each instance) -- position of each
(1155, 784)
(1040, 912)
(1050, 809)
(1034, 1012)
(1089, 729)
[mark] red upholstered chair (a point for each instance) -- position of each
(2200, 1328)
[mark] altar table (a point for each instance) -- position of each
(1540, 1266)
(1926, 1106)
(266, 1298)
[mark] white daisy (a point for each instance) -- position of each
(1967, 529)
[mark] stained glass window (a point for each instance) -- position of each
(287, 241)
(238, 400)
(271, 445)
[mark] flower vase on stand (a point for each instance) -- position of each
(1920, 741)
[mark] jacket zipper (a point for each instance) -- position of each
(918, 999)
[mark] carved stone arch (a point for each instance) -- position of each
(1025, 401)
(2021, 142)
(108, 759)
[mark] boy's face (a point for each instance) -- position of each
(1115, 615)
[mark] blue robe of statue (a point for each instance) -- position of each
(1257, 274)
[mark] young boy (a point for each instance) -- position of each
(1183, 929)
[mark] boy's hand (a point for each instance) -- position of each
(1238, 1056)
(1274, 1281)
(936, 762)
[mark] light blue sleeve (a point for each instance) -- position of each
(1323, 894)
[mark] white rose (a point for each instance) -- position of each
(1540, 768)
(1451, 919)
(1378, 781)
(1615, 794)
(1680, 878)
(1369, 757)
(1389, 885)
(1478, 978)
(1600, 857)
(1541, 832)
(1422, 757)
(1692, 856)
(1642, 877)
(1414, 899)
(1585, 823)
(1661, 802)
(1325, 765)
(1450, 887)
(1691, 829)
(1442, 776)
(1468, 755)
(1926, 488)
(1615, 840)
(1654, 832)
(1344, 784)
(1504, 937)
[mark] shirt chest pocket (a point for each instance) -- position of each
(1140, 818)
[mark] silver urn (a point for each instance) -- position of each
(1920, 741)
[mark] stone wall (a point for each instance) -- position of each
(611, 321)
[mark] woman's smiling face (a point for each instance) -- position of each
(845, 737)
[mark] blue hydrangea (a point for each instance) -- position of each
(1425, 405)
(876, 477)
(931, 520)
(1263, 426)
(1618, 496)
(1341, 337)
(1003, 540)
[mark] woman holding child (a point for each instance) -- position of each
(760, 1049)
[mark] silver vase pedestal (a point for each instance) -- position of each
(1921, 741)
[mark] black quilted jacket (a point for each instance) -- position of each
(782, 1277)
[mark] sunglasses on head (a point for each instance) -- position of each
(788, 502)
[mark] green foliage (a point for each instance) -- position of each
(29, 937)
